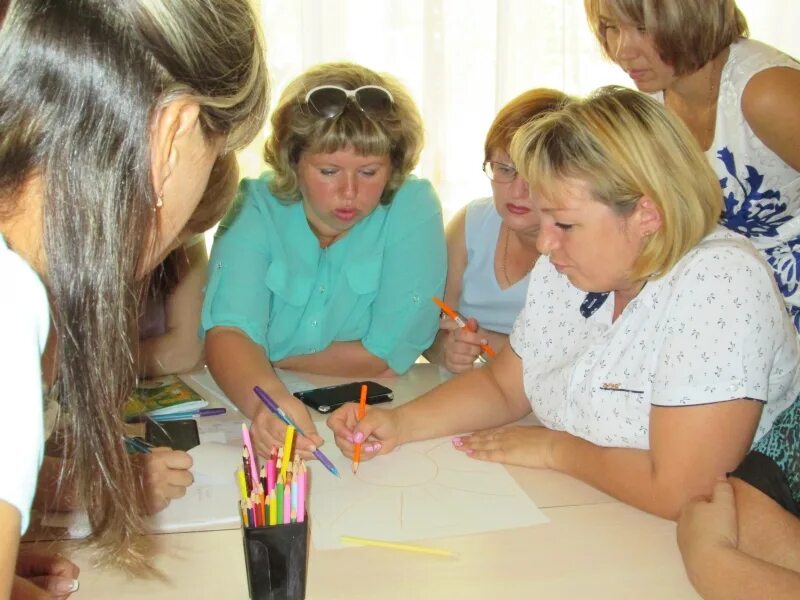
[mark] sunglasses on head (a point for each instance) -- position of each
(329, 101)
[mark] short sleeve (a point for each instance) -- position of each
(724, 329)
(236, 294)
(404, 317)
(24, 321)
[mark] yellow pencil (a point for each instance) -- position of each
(347, 539)
(287, 450)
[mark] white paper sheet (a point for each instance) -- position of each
(423, 490)
(211, 502)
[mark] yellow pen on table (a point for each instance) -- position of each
(487, 349)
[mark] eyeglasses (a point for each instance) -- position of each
(499, 172)
(329, 101)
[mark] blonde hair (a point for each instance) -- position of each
(80, 85)
(296, 129)
(687, 33)
(625, 145)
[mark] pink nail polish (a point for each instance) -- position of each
(358, 437)
(457, 442)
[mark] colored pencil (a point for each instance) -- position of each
(347, 539)
(287, 449)
(362, 410)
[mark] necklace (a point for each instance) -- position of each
(710, 116)
(507, 280)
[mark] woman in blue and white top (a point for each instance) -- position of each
(491, 245)
(739, 98)
(653, 345)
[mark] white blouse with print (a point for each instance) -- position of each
(712, 329)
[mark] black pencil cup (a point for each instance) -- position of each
(277, 560)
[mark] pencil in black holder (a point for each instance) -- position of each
(276, 558)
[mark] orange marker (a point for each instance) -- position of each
(487, 349)
(362, 410)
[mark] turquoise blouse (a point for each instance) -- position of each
(269, 278)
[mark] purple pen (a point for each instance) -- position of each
(279, 412)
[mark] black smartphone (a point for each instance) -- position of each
(178, 435)
(326, 399)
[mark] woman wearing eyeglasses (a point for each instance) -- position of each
(329, 261)
(491, 245)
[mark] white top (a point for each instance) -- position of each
(761, 192)
(24, 323)
(481, 295)
(712, 329)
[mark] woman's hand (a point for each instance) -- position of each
(462, 345)
(528, 446)
(52, 573)
(165, 473)
(268, 431)
(378, 431)
(708, 524)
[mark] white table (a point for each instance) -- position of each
(593, 547)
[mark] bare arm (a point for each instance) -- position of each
(9, 545)
(456, 264)
(709, 536)
(179, 349)
(489, 396)
(238, 364)
(769, 104)
(690, 446)
(345, 359)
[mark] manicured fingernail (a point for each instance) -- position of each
(67, 586)
(358, 437)
(457, 442)
(470, 452)
(349, 438)
(373, 447)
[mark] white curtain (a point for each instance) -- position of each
(462, 60)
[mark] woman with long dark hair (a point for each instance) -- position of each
(112, 115)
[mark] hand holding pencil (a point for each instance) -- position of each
(466, 342)
(362, 410)
(377, 432)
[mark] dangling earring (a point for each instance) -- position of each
(160, 199)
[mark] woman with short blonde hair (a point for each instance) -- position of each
(650, 377)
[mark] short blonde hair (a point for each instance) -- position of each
(687, 33)
(296, 129)
(625, 145)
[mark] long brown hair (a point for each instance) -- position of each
(79, 84)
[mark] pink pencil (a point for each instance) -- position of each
(287, 505)
(301, 493)
(248, 443)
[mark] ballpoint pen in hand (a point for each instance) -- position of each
(281, 414)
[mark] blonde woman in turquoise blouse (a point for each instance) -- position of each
(328, 262)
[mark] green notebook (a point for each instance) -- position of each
(162, 396)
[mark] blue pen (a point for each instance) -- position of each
(279, 412)
(189, 414)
